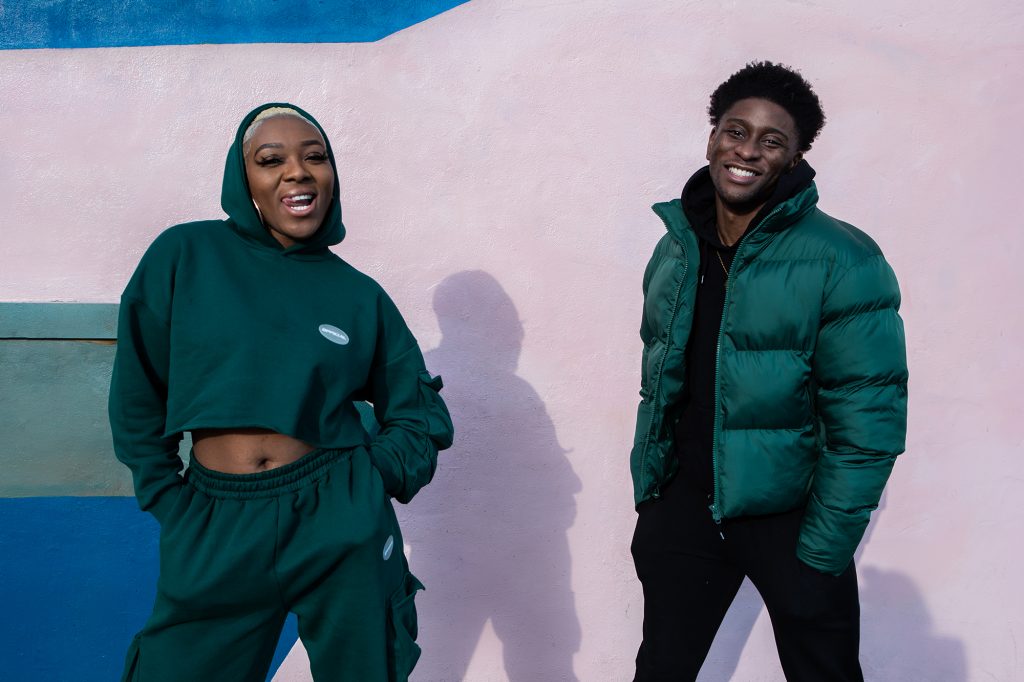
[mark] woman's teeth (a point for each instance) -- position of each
(299, 202)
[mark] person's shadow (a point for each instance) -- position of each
(898, 637)
(488, 535)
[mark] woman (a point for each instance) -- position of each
(250, 334)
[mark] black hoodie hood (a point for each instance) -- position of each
(236, 199)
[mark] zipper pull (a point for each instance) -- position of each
(716, 515)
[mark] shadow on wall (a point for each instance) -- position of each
(490, 531)
(898, 643)
(724, 656)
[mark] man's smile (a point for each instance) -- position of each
(741, 173)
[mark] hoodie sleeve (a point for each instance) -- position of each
(860, 369)
(138, 391)
(414, 421)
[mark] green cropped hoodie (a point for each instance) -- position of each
(222, 327)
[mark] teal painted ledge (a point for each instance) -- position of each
(95, 321)
(55, 365)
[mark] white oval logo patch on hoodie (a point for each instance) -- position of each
(333, 334)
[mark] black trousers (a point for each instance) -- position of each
(690, 575)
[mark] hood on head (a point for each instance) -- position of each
(236, 200)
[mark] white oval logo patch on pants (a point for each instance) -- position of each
(389, 546)
(333, 334)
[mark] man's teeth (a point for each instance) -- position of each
(740, 172)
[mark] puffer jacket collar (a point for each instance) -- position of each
(794, 195)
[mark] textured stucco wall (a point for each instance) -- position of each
(498, 162)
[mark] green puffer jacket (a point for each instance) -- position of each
(811, 388)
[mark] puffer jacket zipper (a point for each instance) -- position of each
(715, 506)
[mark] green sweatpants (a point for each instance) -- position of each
(318, 538)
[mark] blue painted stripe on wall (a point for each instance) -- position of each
(78, 581)
(100, 23)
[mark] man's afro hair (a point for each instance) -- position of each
(775, 83)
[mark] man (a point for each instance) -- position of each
(773, 395)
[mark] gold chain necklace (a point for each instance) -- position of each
(722, 262)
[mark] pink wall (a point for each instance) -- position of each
(502, 158)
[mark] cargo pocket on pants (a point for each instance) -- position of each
(131, 661)
(403, 652)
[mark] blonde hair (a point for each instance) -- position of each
(273, 112)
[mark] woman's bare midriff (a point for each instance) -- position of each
(245, 451)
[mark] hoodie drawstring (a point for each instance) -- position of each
(702, 248)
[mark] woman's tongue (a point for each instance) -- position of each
(299, 203)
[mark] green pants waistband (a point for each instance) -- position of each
(270, 483)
